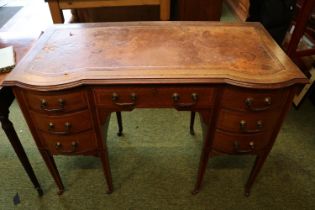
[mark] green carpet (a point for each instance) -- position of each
(154, 166)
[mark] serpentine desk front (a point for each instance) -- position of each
(234, 75)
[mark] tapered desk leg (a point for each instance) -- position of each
(50, 162)
(106, 170)
(260, 159)
(204, 117)
(103, 153)
(18, 148)
(202, 167)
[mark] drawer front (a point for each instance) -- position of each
(239, 143)
(162, 97)
(70, 144)
(65, 124)
(253, 100)
(247, 122)
(56, 102)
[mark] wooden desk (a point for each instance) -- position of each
(234, 75)
(21, 45)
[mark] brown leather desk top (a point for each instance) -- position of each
(241, 54)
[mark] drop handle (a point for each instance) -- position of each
(44, 105)
(252, 145)
(51, 127)
(237, 149)
(61, 102)
(67, 126)
(74, 146)
(178, 105)
(175, 97)
(259, 124)
(249, 102)
(125, 105)
(243, 127)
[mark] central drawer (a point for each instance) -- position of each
(182, 98)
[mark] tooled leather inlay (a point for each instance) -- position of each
(156, 48)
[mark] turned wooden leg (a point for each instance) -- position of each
(119, 120)
(192, 122)
(260, 159)
(18, 148)
(50, 162)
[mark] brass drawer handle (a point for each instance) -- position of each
(67, 126)
(259, 124)
(243, 127)
(51, 128)
(249, 104)
(129, 106)
(74, 146)
(239, 151)
(178, 105)
(44, 104)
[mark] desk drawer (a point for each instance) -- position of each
(56, 102)
(70, 144)
(181, 98)
(65, 124)
(253, 100)
(247, 122)
(239, 143)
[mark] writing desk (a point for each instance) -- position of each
(21, 45)
(234, 75)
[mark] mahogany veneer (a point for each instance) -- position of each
(234, 75)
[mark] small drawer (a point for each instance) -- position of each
(246, 122)
(181, 98)
(253, 100)
(239, 143)
(56, 102)
(65, 124)
(70, 144)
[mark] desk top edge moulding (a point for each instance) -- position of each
(241, 54)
